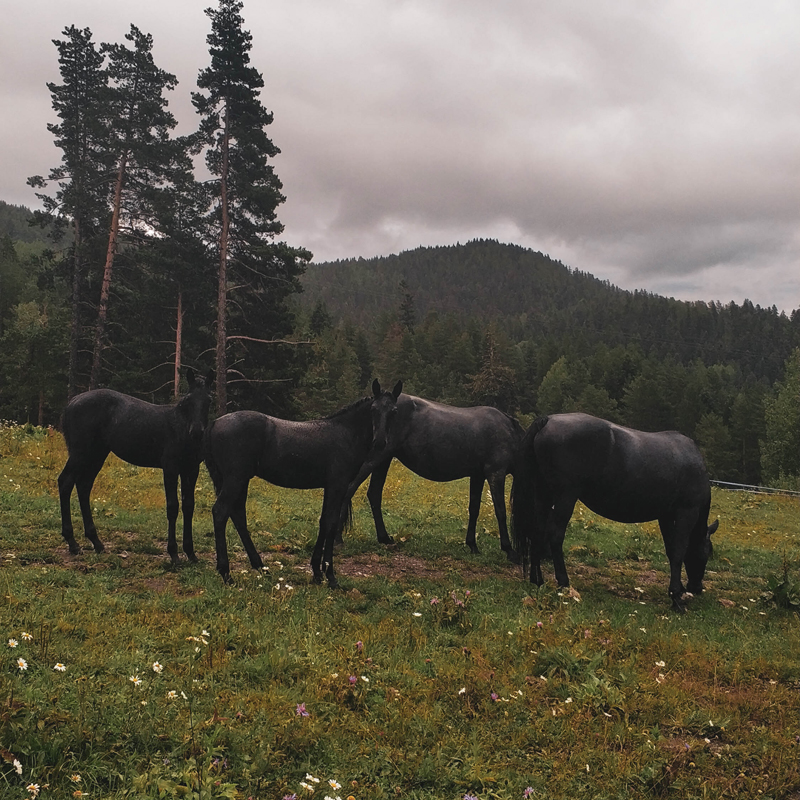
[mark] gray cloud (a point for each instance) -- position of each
(652, 144)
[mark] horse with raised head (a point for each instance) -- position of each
(328, 453)
(444, 443)
(622, 474)
(169, 438)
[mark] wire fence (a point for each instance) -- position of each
(745, 487)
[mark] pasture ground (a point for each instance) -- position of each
(432, 674)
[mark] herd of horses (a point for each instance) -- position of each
(622, 474)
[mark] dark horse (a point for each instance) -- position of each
(170, 438)
(445, 443)
(619, 473)
(318, 454)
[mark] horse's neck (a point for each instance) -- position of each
(355, 418)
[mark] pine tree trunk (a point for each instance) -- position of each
(105, 289)
(75, 320)
(178, 345)
(222, 286)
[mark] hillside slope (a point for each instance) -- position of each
(533, 296)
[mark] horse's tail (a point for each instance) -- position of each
(523, 495)
(208, 456)
(347, 516)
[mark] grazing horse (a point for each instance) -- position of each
(622, 474)
(318, 454)
(445, 443)
(170, 438)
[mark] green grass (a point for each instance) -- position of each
(494, 688)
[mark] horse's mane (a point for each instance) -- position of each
(354, 406)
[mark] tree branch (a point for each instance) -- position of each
(266, 341)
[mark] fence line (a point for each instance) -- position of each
(744, 487)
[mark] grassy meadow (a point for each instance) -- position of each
(433, 673)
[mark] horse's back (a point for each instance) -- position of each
(619, 472)
(283, 452)
(103, 420)
(441, 442)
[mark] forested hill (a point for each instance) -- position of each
(14, 223)
(533, 297)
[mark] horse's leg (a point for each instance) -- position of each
(497, 487)
(557, 522)
(84, 483)
(675, 531)
(329, 525)
(316, 556)
(541, 514)
(475, 491)
(66, 482)
(239, 519)
(171, 495)
(188, 484)
(221, 511)
(375, 497)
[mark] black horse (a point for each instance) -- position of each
(170, 438)
(324, 454)
(445, 443)
(619, 473)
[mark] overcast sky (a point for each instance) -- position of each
(653, 143)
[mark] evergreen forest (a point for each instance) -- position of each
(134, 267)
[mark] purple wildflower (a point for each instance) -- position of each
(359, 645)
(300, 711)
(528, 792)
(495, 696)
(353, 680)
(434, 601)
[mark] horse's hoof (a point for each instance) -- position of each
(99, 547)
(192, 558)
(513, 557)
(74, 548)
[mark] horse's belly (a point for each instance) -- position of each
(288, 476)
(141, 456)
(624, 508)
(436, 466)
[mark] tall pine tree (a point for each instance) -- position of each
(144, 156)
(253, 269)
(80, 199)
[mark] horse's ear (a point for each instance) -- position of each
(190, 377)
(713, 527)
(398, 389)
(376, 388)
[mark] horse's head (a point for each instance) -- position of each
(383, 410)
(697, 557)
(194, 407)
